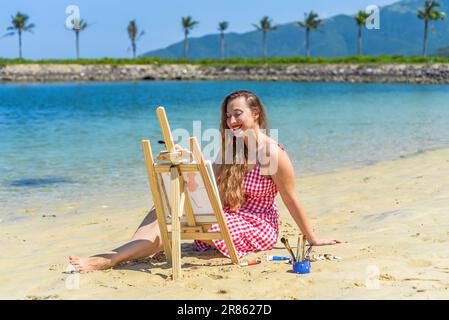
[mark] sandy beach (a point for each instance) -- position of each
(392, 217)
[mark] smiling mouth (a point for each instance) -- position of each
(236, 127)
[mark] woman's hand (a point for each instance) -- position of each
(184, 151)
(179, 148)
(323, 242)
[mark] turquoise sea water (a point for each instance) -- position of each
(63, 144)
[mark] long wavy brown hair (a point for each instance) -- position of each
(230, 175)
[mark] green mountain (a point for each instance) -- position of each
(400, 33)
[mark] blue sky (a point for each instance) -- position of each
(107, 36)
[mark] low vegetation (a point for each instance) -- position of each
(236, 61)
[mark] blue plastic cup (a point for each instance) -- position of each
(301, 267)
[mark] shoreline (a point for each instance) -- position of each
(401, 202)
(436, 73)
(373, 162)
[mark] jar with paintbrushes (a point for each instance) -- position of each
(300, 261)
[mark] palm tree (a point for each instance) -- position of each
(19, 24)
(78, 26)
(428, 14)
(264, 26)
(134, 35)
(187, 24)
(222, 26)
(360, 20)
(311, 22)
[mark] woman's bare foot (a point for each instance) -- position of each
(91, 263)
(145, 242)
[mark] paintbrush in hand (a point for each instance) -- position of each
(289, 249)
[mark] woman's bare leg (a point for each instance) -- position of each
(145, 242)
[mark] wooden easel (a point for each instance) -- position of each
(189, 226)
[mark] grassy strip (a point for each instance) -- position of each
(234, 61)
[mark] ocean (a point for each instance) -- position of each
(73, 145)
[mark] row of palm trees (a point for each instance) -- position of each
(429, 13)
(19, 25)
(312, 22)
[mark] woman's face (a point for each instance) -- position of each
(240, 117)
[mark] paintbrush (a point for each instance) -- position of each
(289, 249)
(297, 250)
(301, 247)
(309, 250)
(304, 250)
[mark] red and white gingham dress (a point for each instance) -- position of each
(254, 227)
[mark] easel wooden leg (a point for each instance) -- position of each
(176, 223)
(157, 200)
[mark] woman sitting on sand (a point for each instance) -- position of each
(247, 191)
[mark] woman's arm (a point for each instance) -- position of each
(284, 179)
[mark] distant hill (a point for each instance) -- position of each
(401, 33)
